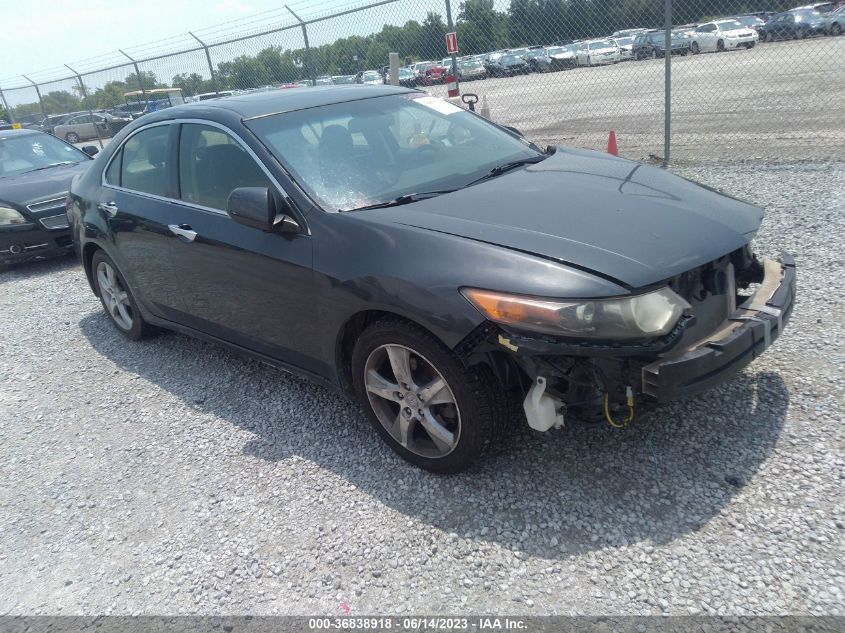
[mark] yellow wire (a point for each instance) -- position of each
(609, 418)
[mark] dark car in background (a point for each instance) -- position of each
(507, 65)
(425, 261)
(653, 44)
(35, 174)
(796, 24)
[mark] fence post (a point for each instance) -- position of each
(40, 101)
(6, 107)
(137, 74)
(308, 61)
(88, 102)
(667, 83)
(210, 65)
(451, 28)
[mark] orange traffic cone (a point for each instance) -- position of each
(611, 144)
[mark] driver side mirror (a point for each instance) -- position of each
(90, 149)
(256, 207)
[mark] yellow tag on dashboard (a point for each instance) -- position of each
(16, 126)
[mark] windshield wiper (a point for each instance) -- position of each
(498, 170)
(404, 199)
(67, 162)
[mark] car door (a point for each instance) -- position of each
(135, 200)
(239, 283)
(706, 37)
(84, 126)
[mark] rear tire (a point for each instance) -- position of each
(836, 29)
(72, 137)
(117, 299)
(443, 430)
(720, 46)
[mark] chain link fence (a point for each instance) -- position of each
(747, 79)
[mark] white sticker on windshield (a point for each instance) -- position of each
(439, 105)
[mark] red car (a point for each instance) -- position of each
(430, 74)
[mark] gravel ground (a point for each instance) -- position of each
(172, 476)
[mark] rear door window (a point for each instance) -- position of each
(145, 166)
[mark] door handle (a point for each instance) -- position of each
(183, 230)
(108, 207)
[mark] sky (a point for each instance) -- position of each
(40, 36)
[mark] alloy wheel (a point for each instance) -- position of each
(114, 296)
(412, 401)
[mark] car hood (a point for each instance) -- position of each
(603, 50)
(631, 223)
(564, 55)
(34, 186)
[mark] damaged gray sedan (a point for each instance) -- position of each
(426, 262)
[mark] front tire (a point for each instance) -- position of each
(117, 298)
(720, 46)
(424, 403)
(836, 29)
(72, 137)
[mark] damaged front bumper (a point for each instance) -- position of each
(568, 372)
(743, 337)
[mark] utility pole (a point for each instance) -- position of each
(667, 84)
(451, 28)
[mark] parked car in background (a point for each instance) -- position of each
(653, 44)
(131, 110)
(722, 35)
(205, 96)
(796, 24)
(628, 32)
(507, 65)
(625, 43)
(407, 78)
(35, 174)
(597, 53)
(323, 80)
(752, 22)
(85, 126)
(370, 77)
(562, 57)
(821, 7)
(304, 228)
(471, 69)
(343, 79)
(537, 59)
(835, 21)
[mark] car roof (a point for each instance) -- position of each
(258, 104)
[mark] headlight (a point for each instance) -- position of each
(10, 216)
(651, 314)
